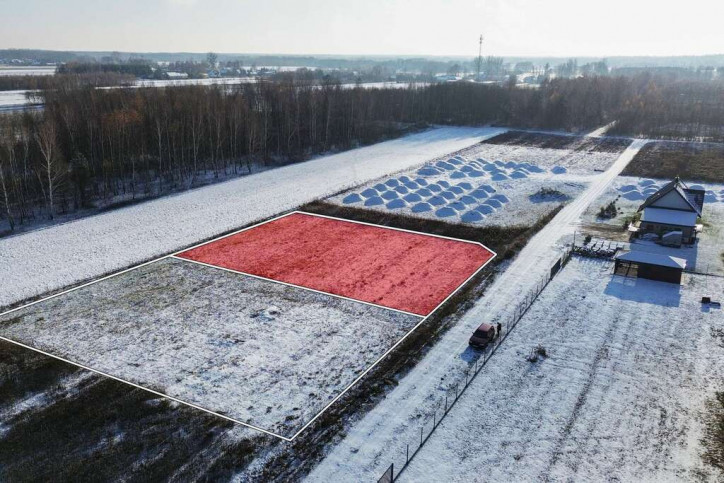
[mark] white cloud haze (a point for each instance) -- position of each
(430, 27)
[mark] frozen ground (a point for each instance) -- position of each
(381, 436)
(620, 397)
(12, 100)
(630, 192)
(260, 352)
(7, 70)
(37, 262)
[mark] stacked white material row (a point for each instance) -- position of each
(445, 196)
(471, 202)
(459, 167)
(648, 187)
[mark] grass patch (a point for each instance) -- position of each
(505, 241)
(23, 373)
(691, 161)
(103, 430)
(631, 219)
(608, 212)
(714, 432)
(560, 141)
(548, 194)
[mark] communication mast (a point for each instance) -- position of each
(480, 56)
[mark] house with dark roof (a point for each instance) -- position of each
(672, 213)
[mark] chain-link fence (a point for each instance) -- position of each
(443, 406)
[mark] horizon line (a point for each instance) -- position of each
(367, 55)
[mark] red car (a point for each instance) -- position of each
(483, 335)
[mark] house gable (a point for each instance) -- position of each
(673, 200)
(696, 198)
(674, 196)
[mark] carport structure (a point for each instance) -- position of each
(652, 266)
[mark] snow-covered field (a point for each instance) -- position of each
(630, 192)
(620, 396)
(576, 159)
(37, 262)
(263, 353)
(8, 70)
(380, 438)
(250, 80)
(13, 100)
(488, 184)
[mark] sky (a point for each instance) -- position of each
(368, 27)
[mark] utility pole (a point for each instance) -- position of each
(480, 56)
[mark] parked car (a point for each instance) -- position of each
(483, 335)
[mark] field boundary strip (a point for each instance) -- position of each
(301, 287)
(173, 255)
(137, 386)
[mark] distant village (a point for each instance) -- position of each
(486, 69)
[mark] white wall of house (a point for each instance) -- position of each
(672, 200)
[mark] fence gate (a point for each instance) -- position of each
(555, 268)
(388, 475)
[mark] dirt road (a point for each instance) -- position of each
(380, 438)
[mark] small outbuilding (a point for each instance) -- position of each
(652, 266)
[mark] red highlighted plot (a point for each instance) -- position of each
(401, 270)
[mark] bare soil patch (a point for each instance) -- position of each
(690, 161)
(560, 141)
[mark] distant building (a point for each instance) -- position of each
(446, 78)
(671, 213)
(177, 75)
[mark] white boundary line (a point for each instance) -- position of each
(142, 387)
(188, 260)
(138, 266)
(174, 255)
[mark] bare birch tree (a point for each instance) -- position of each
(50, 172)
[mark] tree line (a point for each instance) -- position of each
(135, 67)
(94, 147)
(672, 108)
(43, 82)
